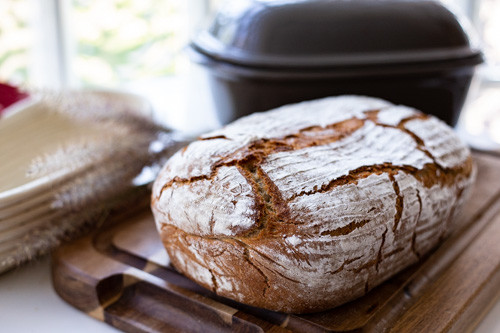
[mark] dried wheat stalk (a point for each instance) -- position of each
(101, 169)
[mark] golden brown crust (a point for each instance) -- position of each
(287, 259)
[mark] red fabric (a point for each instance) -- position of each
(9, 95)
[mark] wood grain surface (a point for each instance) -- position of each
(121, 275)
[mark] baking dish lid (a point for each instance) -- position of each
(330, 33)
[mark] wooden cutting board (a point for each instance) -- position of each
(121, 275)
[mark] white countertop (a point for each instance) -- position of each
(28, 303)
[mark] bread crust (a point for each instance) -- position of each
(311, 205)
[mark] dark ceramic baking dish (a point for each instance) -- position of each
(263, 54)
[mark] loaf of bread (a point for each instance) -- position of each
(311, 205)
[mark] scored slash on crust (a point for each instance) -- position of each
(269, 201)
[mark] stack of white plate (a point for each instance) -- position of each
(28, 132)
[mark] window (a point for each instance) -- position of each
(484, 14)
(16, 39)
(489, 26)
(59, 43)
(113, 44)
(480, 121)
(125, 40)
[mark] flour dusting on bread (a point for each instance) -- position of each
(311, 205)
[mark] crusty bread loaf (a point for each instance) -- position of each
(311, 205)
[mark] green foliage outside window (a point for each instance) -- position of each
(124, 40)
(15, 40)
